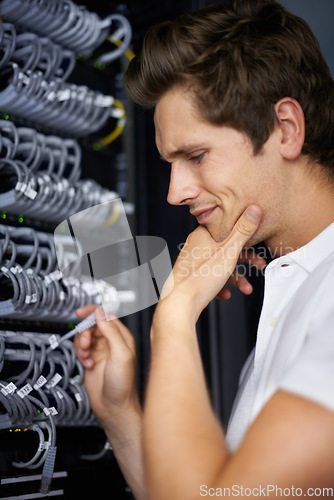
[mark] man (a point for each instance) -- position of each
(244, 112)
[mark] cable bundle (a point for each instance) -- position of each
(47, 196)
(41, 153)
(32, 287)
(66, 108)
(52, 375)
(34, 53)
(46, 392)
(69, 25)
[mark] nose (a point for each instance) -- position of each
(183, 185)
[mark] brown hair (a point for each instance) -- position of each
(239, 58)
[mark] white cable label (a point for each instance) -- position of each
(53, 341)
(50, 411)
(54, 380)
(9, 389)
(40, 382)
(24, 391)
(78, 397)
(30, 193)
(104, 101)
(59, 394)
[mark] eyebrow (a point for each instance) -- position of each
(182, 151)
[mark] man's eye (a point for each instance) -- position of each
(197, 158)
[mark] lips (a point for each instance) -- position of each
(203, 215)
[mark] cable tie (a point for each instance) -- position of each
(34, 298)
(30, 271)
(24, 391)
(62, 295)
(13, 269)
(46, 445)
(5, 270)
(53, 341)
(18, 186)
(40, 382)
(54, 380)
(28, 299)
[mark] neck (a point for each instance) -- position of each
(309, 211)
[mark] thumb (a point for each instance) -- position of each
(246, 226)
(249, 221)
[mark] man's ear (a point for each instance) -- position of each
(292, 125)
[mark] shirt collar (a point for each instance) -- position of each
(312, 254)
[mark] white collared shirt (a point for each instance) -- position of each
(295, 340)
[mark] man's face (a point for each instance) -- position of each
(214, 170)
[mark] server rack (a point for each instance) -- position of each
(132, 168)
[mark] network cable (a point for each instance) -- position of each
(34, 53)
(63, 107)
(70, 25)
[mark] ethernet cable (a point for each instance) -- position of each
(35, 53)
(68, 24)
(46, 196)
(57, 105)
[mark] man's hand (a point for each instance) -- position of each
(204, 266)
(108, 353)
(238, 280)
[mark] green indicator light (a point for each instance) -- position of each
(6, 117)
(20, 218)
(10, 430)
(3, 215)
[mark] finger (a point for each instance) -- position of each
(244, 228)
(224, 294)
(240, 282)
(119, 338)
(86, 310)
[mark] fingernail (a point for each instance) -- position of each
(88, 363)
(100, 315)
(254, 213)
(82, 341)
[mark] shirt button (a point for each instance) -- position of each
(273, 322)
